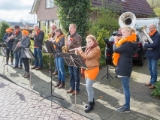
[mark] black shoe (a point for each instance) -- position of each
(89, 107)
(123, 110)
(88, 104)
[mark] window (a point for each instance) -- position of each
(49, 3)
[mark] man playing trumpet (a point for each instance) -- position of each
(74, 41)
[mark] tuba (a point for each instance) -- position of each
(144, 36)
(127, 19)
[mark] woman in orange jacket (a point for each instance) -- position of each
(91, 57)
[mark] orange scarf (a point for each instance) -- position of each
(152, 33)
(131, 38)
(58, 39)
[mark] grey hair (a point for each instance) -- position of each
(153, 25)
(36, 26)
(53, 24)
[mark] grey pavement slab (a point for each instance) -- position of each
(108, 95)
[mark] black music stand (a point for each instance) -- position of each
(48, 47)
(75, 61)
(3, 47)
(107, 74)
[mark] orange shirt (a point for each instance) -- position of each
(91, 73)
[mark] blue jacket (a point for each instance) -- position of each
(154, 53)
(10, 42)
(126, 50)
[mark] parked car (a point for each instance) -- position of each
(138, 54)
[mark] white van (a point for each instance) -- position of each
(140, 22)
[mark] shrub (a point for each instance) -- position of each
(3, 27)
(156, 91)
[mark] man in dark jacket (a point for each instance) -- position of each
(38, 40)
(153, 54)
(74, 41)
(17, 37)
(9, 41)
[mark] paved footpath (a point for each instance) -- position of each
(17, 103)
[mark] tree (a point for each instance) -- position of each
(74, 11)
(155, 5)
(3, 27)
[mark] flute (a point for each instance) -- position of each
(76, 48)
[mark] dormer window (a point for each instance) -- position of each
(49, 3)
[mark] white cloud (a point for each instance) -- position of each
(15, 11)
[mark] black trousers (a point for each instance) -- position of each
(7, 57)
(26, 64)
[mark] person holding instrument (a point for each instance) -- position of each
(122, 59)
(91, 57)
(153, 54)
(25, 43)
(16, 38)
(74, 41)
(58, 44)
(9, 41)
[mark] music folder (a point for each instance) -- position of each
(73, 60)
(29, 53)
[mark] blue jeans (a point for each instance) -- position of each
(89, 88)
(38, 57)
(18, 60)
(74, 77)
(125, 85)
(60, 68)
(152, 64)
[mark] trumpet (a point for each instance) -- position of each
(76, 48)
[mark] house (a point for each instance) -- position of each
(28, 26)
(46, 10)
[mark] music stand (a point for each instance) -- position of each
(107, 74)
(48, 47)
(3, 47)
(75, 61)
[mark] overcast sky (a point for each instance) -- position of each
(16, 10)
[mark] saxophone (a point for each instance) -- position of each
(65, 47)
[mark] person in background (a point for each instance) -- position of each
(53, 28)
(122, 59)
(153, 54)
(74, 41)
(17, 37)
(24, 43)
(9, 41)
(91, 57)
(38, 40)
(58, 44)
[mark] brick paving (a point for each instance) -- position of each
(17, 103)
(108, 97)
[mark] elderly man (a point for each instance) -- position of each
(75, 41)
(38, 40)
(53, 28)
(153, 54)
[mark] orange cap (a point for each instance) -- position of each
(9, 30)
(25, 32)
